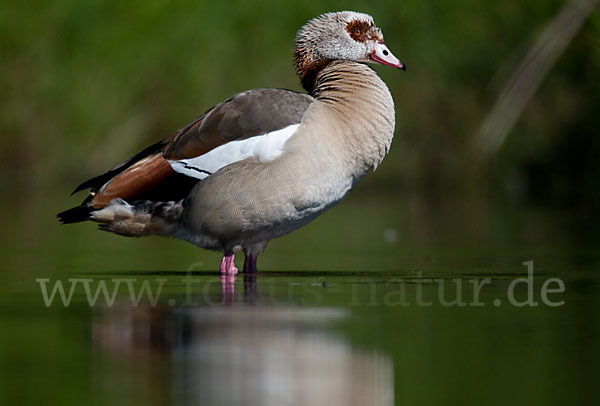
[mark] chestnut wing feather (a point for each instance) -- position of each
(148, 175)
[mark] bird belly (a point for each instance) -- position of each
(255, 202)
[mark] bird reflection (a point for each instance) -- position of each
(250, 290)
(228, 288)
(242, 351)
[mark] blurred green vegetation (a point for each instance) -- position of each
(87, 83)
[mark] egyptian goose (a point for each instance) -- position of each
(264, 162)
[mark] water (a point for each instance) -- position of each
(357, 308)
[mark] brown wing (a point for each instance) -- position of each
(244, 115)
(148, 174)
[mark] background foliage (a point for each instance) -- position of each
(84, 84)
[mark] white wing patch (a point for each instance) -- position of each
(265, 147)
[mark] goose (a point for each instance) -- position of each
(264, 162)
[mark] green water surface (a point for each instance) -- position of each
(359, 308)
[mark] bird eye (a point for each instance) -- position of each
(357, 32)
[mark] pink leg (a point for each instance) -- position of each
(228, 264)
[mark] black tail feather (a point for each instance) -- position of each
(76, 214)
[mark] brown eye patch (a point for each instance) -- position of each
(361, 31)
(358, 30)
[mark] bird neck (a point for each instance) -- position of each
(362, 106)
(308, 66)
(355, 90)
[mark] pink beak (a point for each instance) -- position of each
(384, 56)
